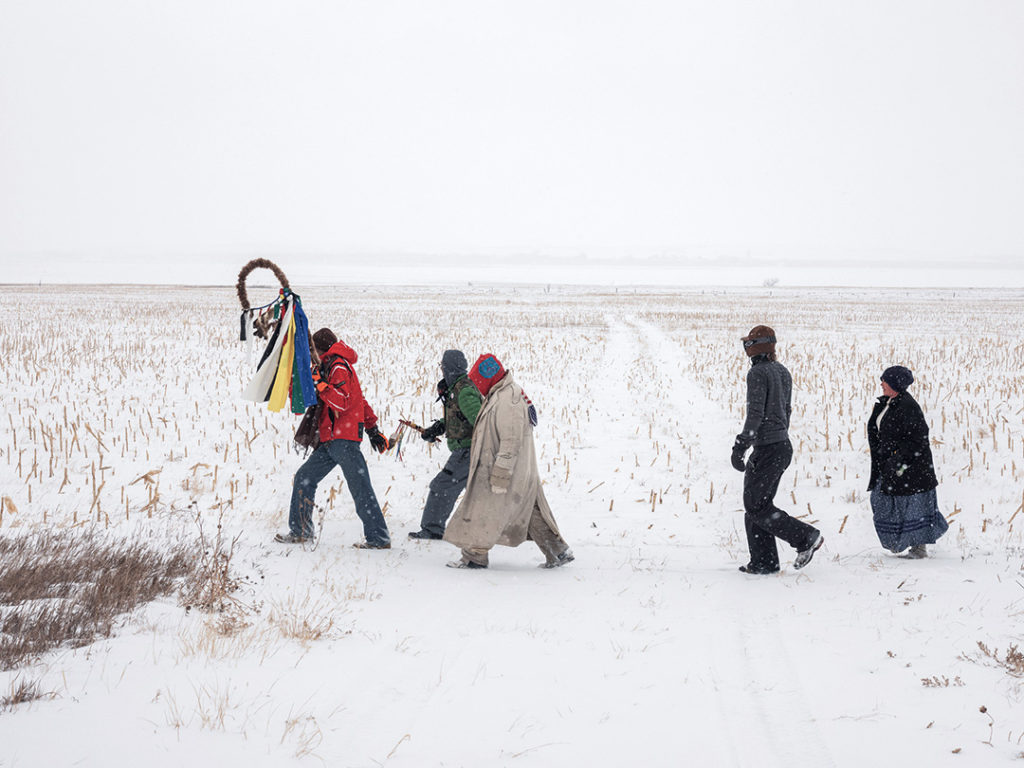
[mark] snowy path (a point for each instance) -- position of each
(757, 687)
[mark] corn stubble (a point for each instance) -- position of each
(122, 406)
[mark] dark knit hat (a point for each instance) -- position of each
(324, 339)
(760, 341)
(898, 377)
(453, 365)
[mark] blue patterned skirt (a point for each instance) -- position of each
(906, 521)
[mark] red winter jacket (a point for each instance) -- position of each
(346, 413)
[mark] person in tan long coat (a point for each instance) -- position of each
(504, 502)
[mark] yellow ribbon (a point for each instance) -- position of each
(283, 378)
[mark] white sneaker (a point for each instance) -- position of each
(803, 557)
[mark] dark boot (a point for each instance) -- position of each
(751, 568)
(426, 535)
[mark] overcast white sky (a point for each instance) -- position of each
(201, 132)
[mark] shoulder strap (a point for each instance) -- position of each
(327, 365)
(460, 385)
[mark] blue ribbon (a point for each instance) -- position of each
(302, 356)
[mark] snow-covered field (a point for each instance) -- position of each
(651, 649)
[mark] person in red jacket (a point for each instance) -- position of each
(344, 416)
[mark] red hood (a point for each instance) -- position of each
(343, 350)
(486, 372)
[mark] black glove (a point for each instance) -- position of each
(737, 457)
(377, 440)
(442, 390)
(433, 433)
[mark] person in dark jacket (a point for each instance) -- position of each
(462, 401)
(903, 499)
(769, 392)
(344, 416)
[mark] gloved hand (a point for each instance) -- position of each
(433, 433)
(377, 440)
(737, 457)
(318, 382)
(442, 390)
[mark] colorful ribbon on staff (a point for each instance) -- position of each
(284, 372)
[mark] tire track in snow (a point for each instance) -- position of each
(696, 424)
(758, 689)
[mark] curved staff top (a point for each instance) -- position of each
(284, 370)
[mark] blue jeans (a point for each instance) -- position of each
(347, 455)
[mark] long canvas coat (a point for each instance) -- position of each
(502, 449)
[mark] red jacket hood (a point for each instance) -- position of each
(486, 372)
(343, 350)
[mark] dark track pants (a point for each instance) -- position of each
(764, 521)
(444, 490)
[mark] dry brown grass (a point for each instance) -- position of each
(305, 618)
(67, 587)
(941, 681)
(210, 585)
(1011, 662)
(22, 692)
